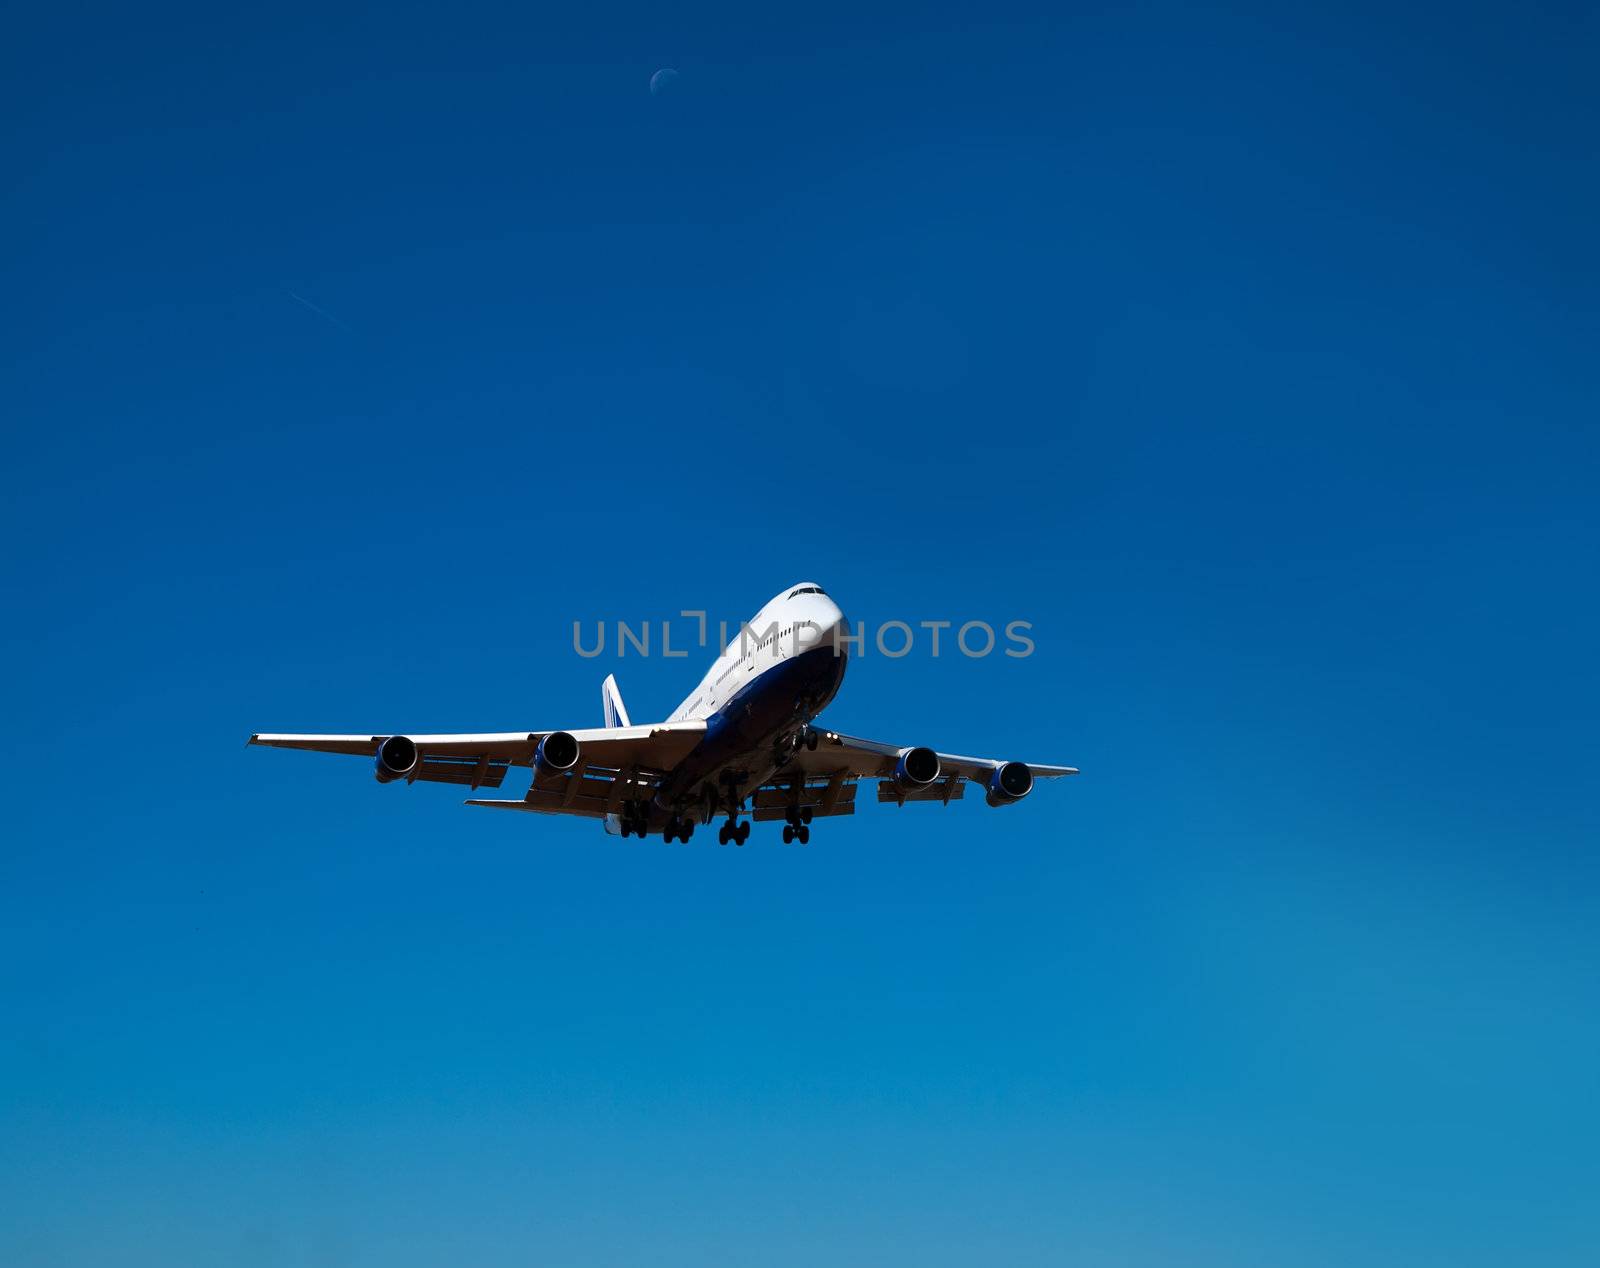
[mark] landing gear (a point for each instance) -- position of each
(795, 829)
(633, 819)
(811, 739)
(734, 831)
(678, 827)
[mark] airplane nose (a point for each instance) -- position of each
(835, 629)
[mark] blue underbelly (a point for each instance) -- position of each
(744, 732)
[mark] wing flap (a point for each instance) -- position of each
(946, 788)
(872, 759)
(590, 793)
(822, 799)
(479, 773)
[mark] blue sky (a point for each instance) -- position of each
(1249, 354)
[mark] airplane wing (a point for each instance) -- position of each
(617, 763)
(481, 761)
(822, 779)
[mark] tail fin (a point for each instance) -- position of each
(611, 699)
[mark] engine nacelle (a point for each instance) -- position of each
(1008, 782)
(916, 768)
(397, 759)
(556, 753)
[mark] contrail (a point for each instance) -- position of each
(321, 312)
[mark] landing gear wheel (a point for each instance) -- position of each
(804, 834)
(741, 834)
(722, 835)
(788, 833)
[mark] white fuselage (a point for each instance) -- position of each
(801, 619)
(759, 696)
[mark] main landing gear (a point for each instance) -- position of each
(635, 816)
(634, 819)
(795, 829)
(734, 831)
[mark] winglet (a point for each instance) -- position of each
(616, 713)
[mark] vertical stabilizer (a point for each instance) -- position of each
(611, 699)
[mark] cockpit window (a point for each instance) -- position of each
(807, 590)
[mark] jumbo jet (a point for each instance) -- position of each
(744, 741)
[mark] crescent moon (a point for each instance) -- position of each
(661, 79)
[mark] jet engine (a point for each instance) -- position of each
(1008, 782)
(557, 752)
(397, 759)
(916, 768)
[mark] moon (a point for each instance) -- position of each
(661, 79)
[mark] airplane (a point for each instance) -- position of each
(743, 737)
